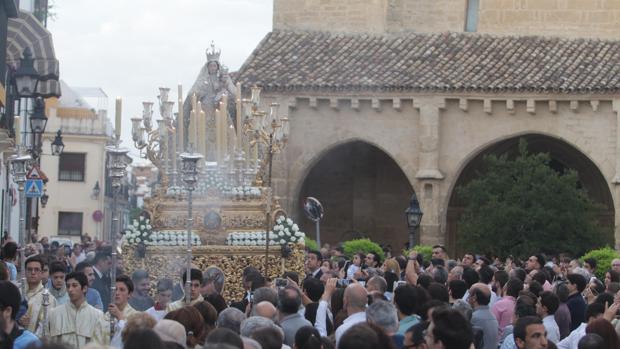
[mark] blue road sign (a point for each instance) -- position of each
(34, 188)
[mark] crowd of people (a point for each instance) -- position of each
(403, 301)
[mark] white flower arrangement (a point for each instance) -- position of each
(139, 231)
(142, 231)
(285, 231)
(172, 238)
(243, 192)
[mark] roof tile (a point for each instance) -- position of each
(433, 62)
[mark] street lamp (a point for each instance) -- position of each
(44, 198)
(57, 145)
(26, 77)
(117, 171)
(19, 169)
(38, 121)
(189, 172)
(413, 213)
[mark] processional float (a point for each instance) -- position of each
(214, 159)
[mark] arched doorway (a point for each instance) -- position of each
(364, 193)
(563, 156)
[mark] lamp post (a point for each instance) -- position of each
(270, 131)
(413, 213)
(189, 173)
(117, 170)
(19, 169)
(57, 145)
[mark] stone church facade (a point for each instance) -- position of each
(386, 99)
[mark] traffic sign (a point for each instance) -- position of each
(36, 173)
(34, 188)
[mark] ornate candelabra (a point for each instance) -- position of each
(117, 171)
(157, 144)
(19, 169)
(189, 171)
(269, 132)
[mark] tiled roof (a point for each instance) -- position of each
(432, 62)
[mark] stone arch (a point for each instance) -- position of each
(349, 163)
(563, 154)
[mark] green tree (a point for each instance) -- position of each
(522, 206)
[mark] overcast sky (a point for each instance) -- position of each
(130, 48)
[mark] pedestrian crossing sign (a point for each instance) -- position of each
(34, 188)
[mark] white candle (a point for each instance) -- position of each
(119, 107)
(180, 120)
(18, 130)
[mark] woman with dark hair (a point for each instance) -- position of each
(611, 276)
(193, 322)
(143, 338)
(337, 305)
(307, 337)
(604, 329)
(217, 301)
(209, 314)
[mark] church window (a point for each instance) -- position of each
(471, 16)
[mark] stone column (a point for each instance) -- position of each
(429, 176)
(615, 106)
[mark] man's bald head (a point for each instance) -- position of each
(615, 265)
(355, 297)
(480, 293)
(266, 310)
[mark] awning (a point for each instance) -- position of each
(27, 31)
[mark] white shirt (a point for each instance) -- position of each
(322, 313)
(100, 274)
(572, 341)
(348, 323)
(553, 331)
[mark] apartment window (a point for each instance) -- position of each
(471, 16)
(70, 223)
(71, 167)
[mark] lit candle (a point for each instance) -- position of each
(191, 134)
(200, 127)
(119, 107)
(18, 127)
(218, 135)
(239, 115)
(203, 132)
(174, 150)
(224, 113)
(180, 120)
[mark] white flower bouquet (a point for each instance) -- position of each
(139, 231)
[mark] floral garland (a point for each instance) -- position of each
(285, 231)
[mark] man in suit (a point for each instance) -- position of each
(314, 259)
(101, 266)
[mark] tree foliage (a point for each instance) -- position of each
(603, 257)
(522, 206)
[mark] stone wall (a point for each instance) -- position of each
(568, 18)
(328, 15)
(431, 139)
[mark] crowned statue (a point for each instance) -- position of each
(212, 84)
